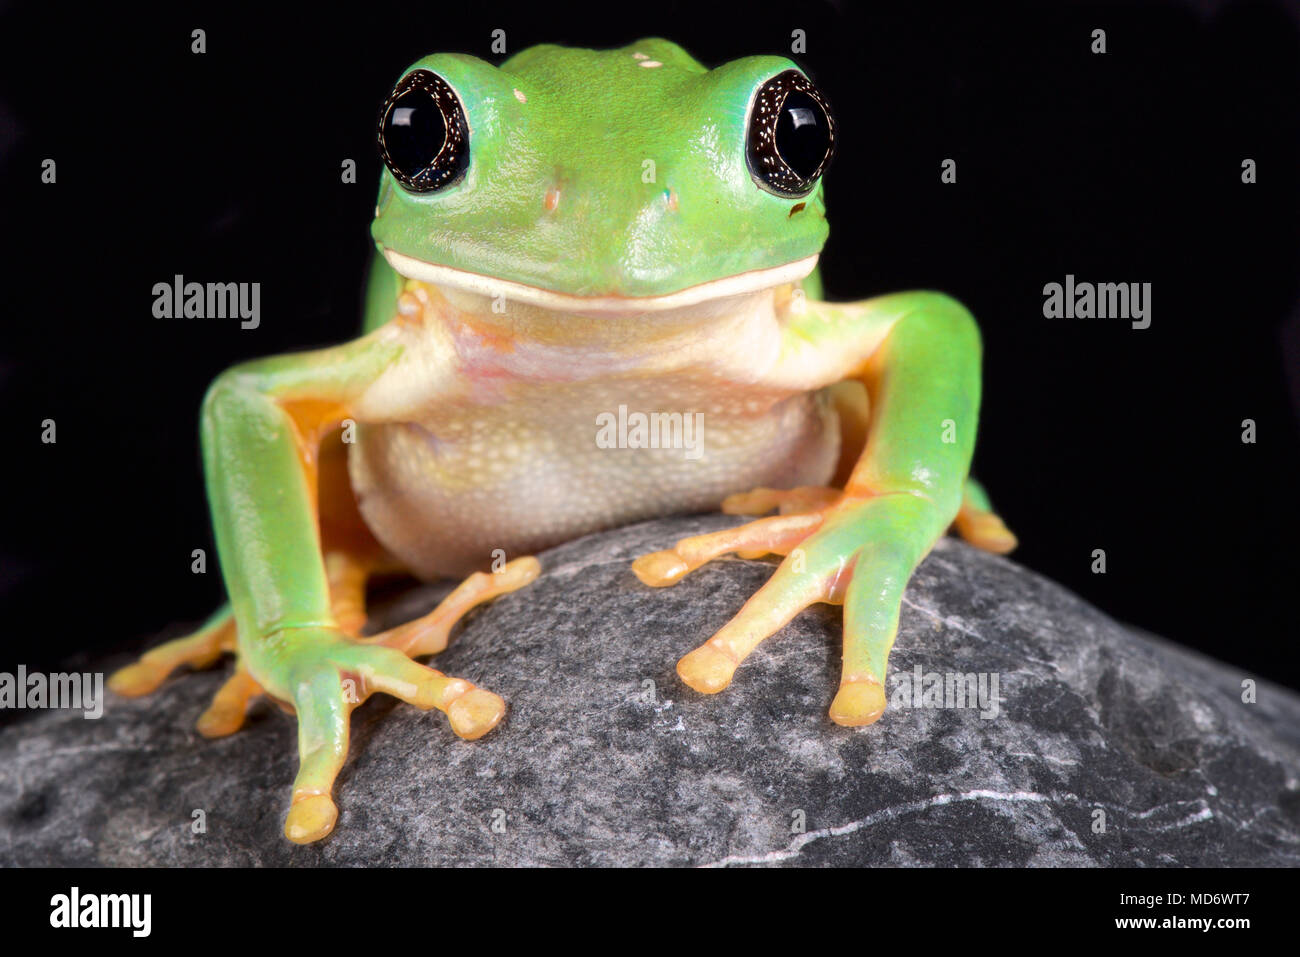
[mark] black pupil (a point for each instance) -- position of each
(414, 131)
(802, 133)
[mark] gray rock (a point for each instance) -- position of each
(590, 769)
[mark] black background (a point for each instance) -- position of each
(1122, 167)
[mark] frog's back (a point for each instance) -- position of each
(554, 65)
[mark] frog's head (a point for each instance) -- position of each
(603, 179)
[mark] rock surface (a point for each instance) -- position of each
(596, 766)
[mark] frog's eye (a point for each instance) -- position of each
(423, 136)
(791, 135)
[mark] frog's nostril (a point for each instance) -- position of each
(670, 199)
(551, 200)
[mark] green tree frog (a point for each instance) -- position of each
(566, 237)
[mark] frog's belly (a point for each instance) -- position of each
(443, 506)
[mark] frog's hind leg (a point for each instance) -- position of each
(229, 705)
(429, 635)
(351, 553)
(199, 650)
(978, 524)
(347, 574)
(203, 648)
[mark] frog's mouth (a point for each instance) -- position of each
(738, 285)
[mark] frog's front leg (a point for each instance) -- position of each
(346, 573)
(261, 429)
(918, 354)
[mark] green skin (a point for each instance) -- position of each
(613, 236)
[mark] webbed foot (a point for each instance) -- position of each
(854, 550)
(323, 673)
